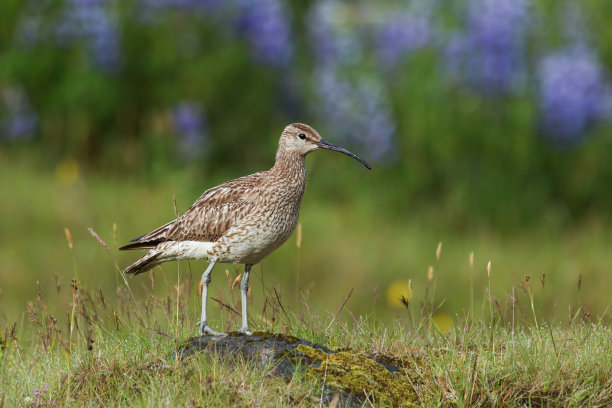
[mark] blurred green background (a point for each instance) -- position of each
(487, 123)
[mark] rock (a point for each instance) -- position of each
(267, 348)
(351, 374)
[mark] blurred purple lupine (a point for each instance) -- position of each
(18, 120)
(356, 108)
(182, 4)
(574, 93)
(575, 26)
(332, 41)
(150, 8)
(400, 35)
(90, 20)
(265, 24)
(490, 52)
(189, 123)
(357, 111)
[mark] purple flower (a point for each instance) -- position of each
(356, 107)
(573, 93)
(331, 38)
(90, 20)
(490, 52)
(154, 6)
(265, 24)
(19, 120)
(400, 35)
(104, 44)
(190, 126)
(575, 26)
(357, 111)
(39, 397)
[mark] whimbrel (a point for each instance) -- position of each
(240, 221)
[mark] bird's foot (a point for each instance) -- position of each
(245, 330)
(206, 330)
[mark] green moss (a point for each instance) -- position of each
(352, 372)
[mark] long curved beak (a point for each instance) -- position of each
(323, 144)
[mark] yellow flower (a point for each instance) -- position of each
(397, 291)
(67, 171)
(443, 322)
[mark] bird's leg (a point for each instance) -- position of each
(204, 328)
(244, 287)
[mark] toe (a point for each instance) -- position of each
(206, 330)
(211, 332)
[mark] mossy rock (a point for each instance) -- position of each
(267, 349)
(351, 374)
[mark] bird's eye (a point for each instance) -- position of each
(302, 136)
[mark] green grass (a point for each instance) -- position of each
(121, 352)
(509, 341)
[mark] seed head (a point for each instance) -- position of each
(68, 237)
(298, 241)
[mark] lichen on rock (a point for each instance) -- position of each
(352, 372)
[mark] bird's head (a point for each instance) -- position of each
(303, 139)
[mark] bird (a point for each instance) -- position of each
(240, 221)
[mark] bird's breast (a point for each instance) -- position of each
(267, 226)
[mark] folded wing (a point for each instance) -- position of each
(209, 217)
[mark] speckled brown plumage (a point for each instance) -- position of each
(242, 220)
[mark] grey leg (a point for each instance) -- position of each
(244, 287)
(204, 328)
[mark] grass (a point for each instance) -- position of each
(490, 320)
(121, 352)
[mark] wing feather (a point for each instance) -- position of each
(210, 216)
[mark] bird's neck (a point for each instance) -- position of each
(290, 166)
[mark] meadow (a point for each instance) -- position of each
(123, 353)
(521, 319)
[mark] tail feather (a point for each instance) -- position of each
(168, 251)
(149, 261)
(150, 240)
(140, 245)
